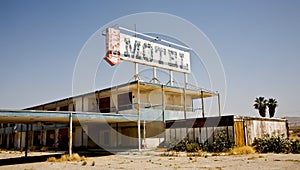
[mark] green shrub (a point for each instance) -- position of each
(277, 144)
(295, 146)
(219, 144)
(184, 146)
(192, 147)
(181, 146)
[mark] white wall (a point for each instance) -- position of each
(257, 128)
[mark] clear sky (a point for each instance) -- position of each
(258, 43)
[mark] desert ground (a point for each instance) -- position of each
(153, 160)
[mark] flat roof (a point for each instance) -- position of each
(144, 86)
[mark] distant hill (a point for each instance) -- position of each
(293, 121)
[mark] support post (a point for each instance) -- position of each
(163, 103)
(136, 71)
(26, 141)
(117, 134)
(42, 136)
(139, 116)
(202, 102)
(82, 133)
(82, 104)
(171, 78)
(21, 131)
(154, 75)
(184, 103)
(219, 104)
(70, 134)
(163, 110)
(184, 95)
(144, 134)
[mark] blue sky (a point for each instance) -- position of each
(257, 41)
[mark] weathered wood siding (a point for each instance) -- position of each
(239, 133)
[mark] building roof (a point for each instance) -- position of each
(36, 115)
(195, 92)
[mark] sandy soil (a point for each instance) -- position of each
(152, 161)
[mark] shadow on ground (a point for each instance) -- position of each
(29, 159)
(43, 158)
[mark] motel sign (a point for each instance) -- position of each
(125, 47)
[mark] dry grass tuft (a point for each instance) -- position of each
(51, 159)
(76, 157)
(64, 158)
(252, 158)
(243, 150)
(161, 150)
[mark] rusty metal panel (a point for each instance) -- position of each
(201, 122)
(239, 133)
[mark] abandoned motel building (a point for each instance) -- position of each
(135, 115)
(129, 116)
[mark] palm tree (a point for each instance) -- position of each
(261, 105)
(272, 104)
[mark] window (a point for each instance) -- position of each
(125, 101)
(104, 105)
(64, 108)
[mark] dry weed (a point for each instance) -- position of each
(65, 158)
(252, 158)
(243, 150)
(51, 159)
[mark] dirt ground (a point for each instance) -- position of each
(153, 161)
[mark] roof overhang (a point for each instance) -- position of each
(50, 117)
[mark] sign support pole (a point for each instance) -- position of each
(163, 110)
(70, 134)
(171, 78)
(219, 104)
(154, 75)
(136, 71)
(136, 76)
(202, 102)
(139, 116)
